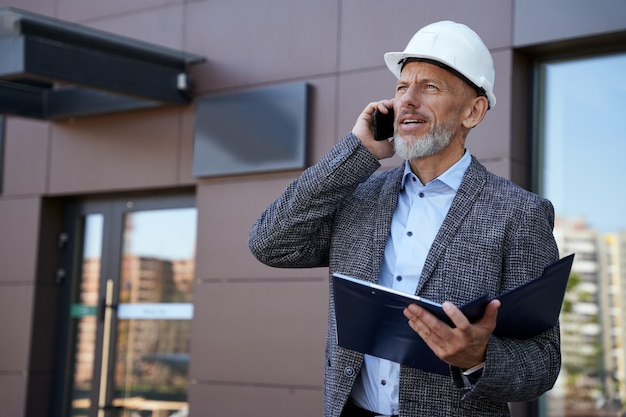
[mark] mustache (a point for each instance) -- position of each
(414, 114)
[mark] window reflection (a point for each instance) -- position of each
(582, 169)
(83, 322)
(155, 311)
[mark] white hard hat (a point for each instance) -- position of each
(457, 47)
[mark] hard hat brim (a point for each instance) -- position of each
(394, 61)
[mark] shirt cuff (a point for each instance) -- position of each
(470, 376)
(473, 370)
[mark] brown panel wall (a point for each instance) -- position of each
(184, 173)
(13, 394)
(162, 25)
(250, 42)
(259, 346)
(265, 333)
(538, 21)
(369, 28)
(18, 240)
(237, 401)
(77, 10)
(27, 143)
(16, 304)
(136, 150)
(490, 140)
(226, 211)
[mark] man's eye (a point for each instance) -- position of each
(431, 87)
(401, 88)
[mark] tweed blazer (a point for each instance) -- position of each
(495, 237)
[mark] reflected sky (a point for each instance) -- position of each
(585, 143)
(165, 234)
(168, 234)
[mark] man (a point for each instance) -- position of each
(440, 226)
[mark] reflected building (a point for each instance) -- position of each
(85, 323)
(613, 314)
(150, 352)
(592, 320)
(155, 351)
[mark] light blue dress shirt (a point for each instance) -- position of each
(416, 220)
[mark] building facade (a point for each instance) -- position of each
(169, 313)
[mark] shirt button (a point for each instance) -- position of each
(421, 195)
(383, 382)
(409, 233)
(399, 278)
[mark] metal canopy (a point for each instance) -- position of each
(51, 69)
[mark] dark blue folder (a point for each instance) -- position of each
(370, 320)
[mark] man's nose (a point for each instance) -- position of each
(411, 96)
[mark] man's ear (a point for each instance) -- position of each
(476, 112)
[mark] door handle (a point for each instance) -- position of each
(109, 308)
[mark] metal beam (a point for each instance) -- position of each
(53, 69)
(24, 100)
(100, 70)
(76, 102)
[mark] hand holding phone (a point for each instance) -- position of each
(383, 124)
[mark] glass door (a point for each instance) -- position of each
(129, 307)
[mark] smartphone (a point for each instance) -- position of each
(383, 124)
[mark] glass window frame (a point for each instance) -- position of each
(534, 60)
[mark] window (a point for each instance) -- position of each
(582, 165)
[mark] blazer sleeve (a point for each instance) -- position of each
(521, 370)
(295, 230)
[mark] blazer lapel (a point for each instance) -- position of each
(387, 201)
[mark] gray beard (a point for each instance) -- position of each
(429, 144)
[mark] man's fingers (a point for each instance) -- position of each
(455, 314)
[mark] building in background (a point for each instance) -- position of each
(592, 321)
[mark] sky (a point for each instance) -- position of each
(585, 141)
(169, 234)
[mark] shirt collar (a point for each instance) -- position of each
(452, 177)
